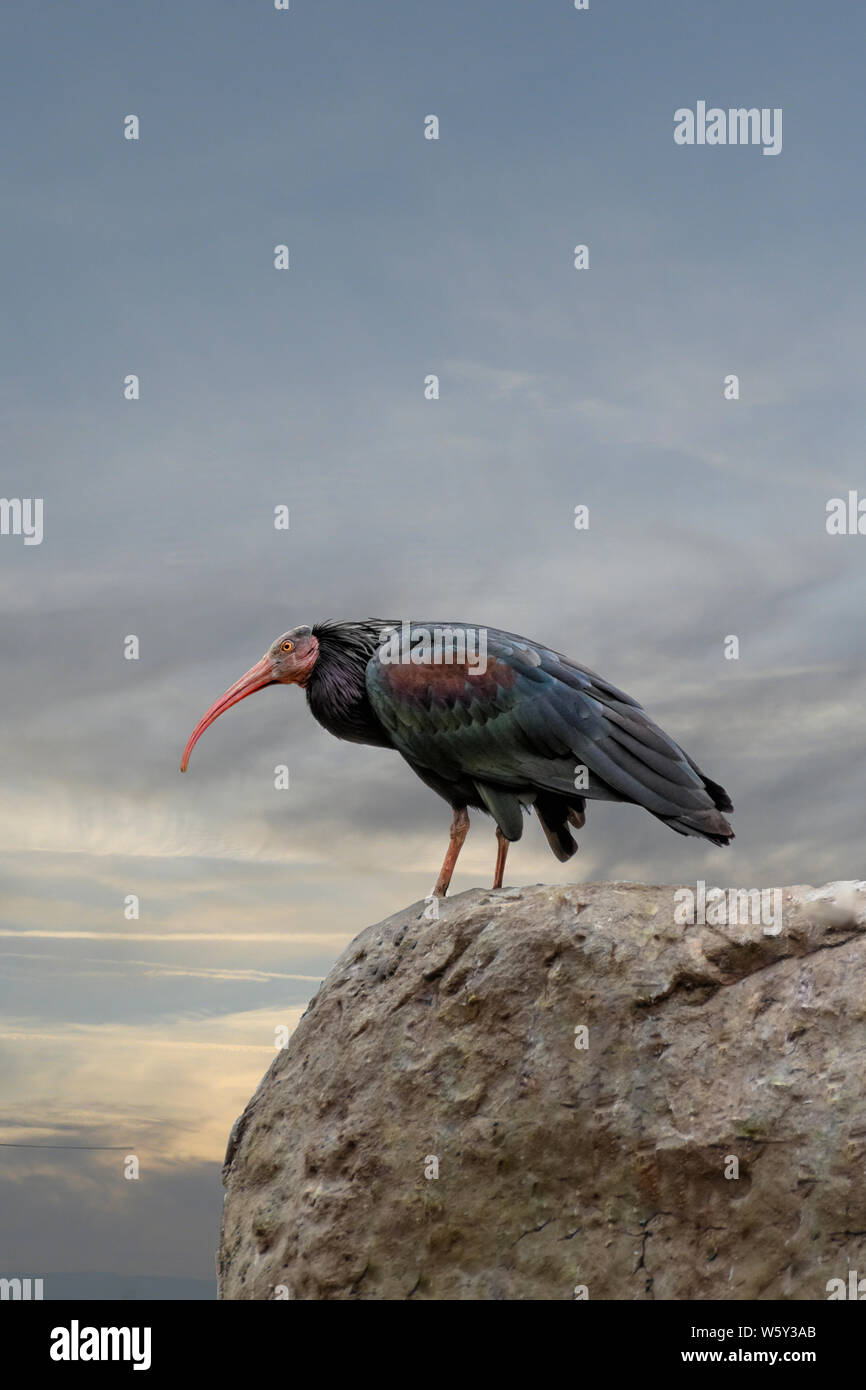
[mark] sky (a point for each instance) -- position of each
(602, 387)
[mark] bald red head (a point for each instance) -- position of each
(288, 661)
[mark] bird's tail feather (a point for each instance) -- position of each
(714, 790)
(708, 825)
(718, 795)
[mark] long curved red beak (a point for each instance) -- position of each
(256, 678)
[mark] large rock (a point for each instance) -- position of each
(711, 1050)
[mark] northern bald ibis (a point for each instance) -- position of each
(488, 720)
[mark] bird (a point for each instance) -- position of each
(491, 721)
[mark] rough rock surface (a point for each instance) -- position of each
(605, 1166)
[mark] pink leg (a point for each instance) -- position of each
(501, 851)
(459, 831)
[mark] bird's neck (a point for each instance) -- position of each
(336, 687)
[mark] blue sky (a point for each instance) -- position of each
(557, 387)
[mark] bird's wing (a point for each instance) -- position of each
(530, 720)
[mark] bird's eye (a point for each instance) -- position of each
(287, 646)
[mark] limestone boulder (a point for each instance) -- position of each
(561, 1092)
